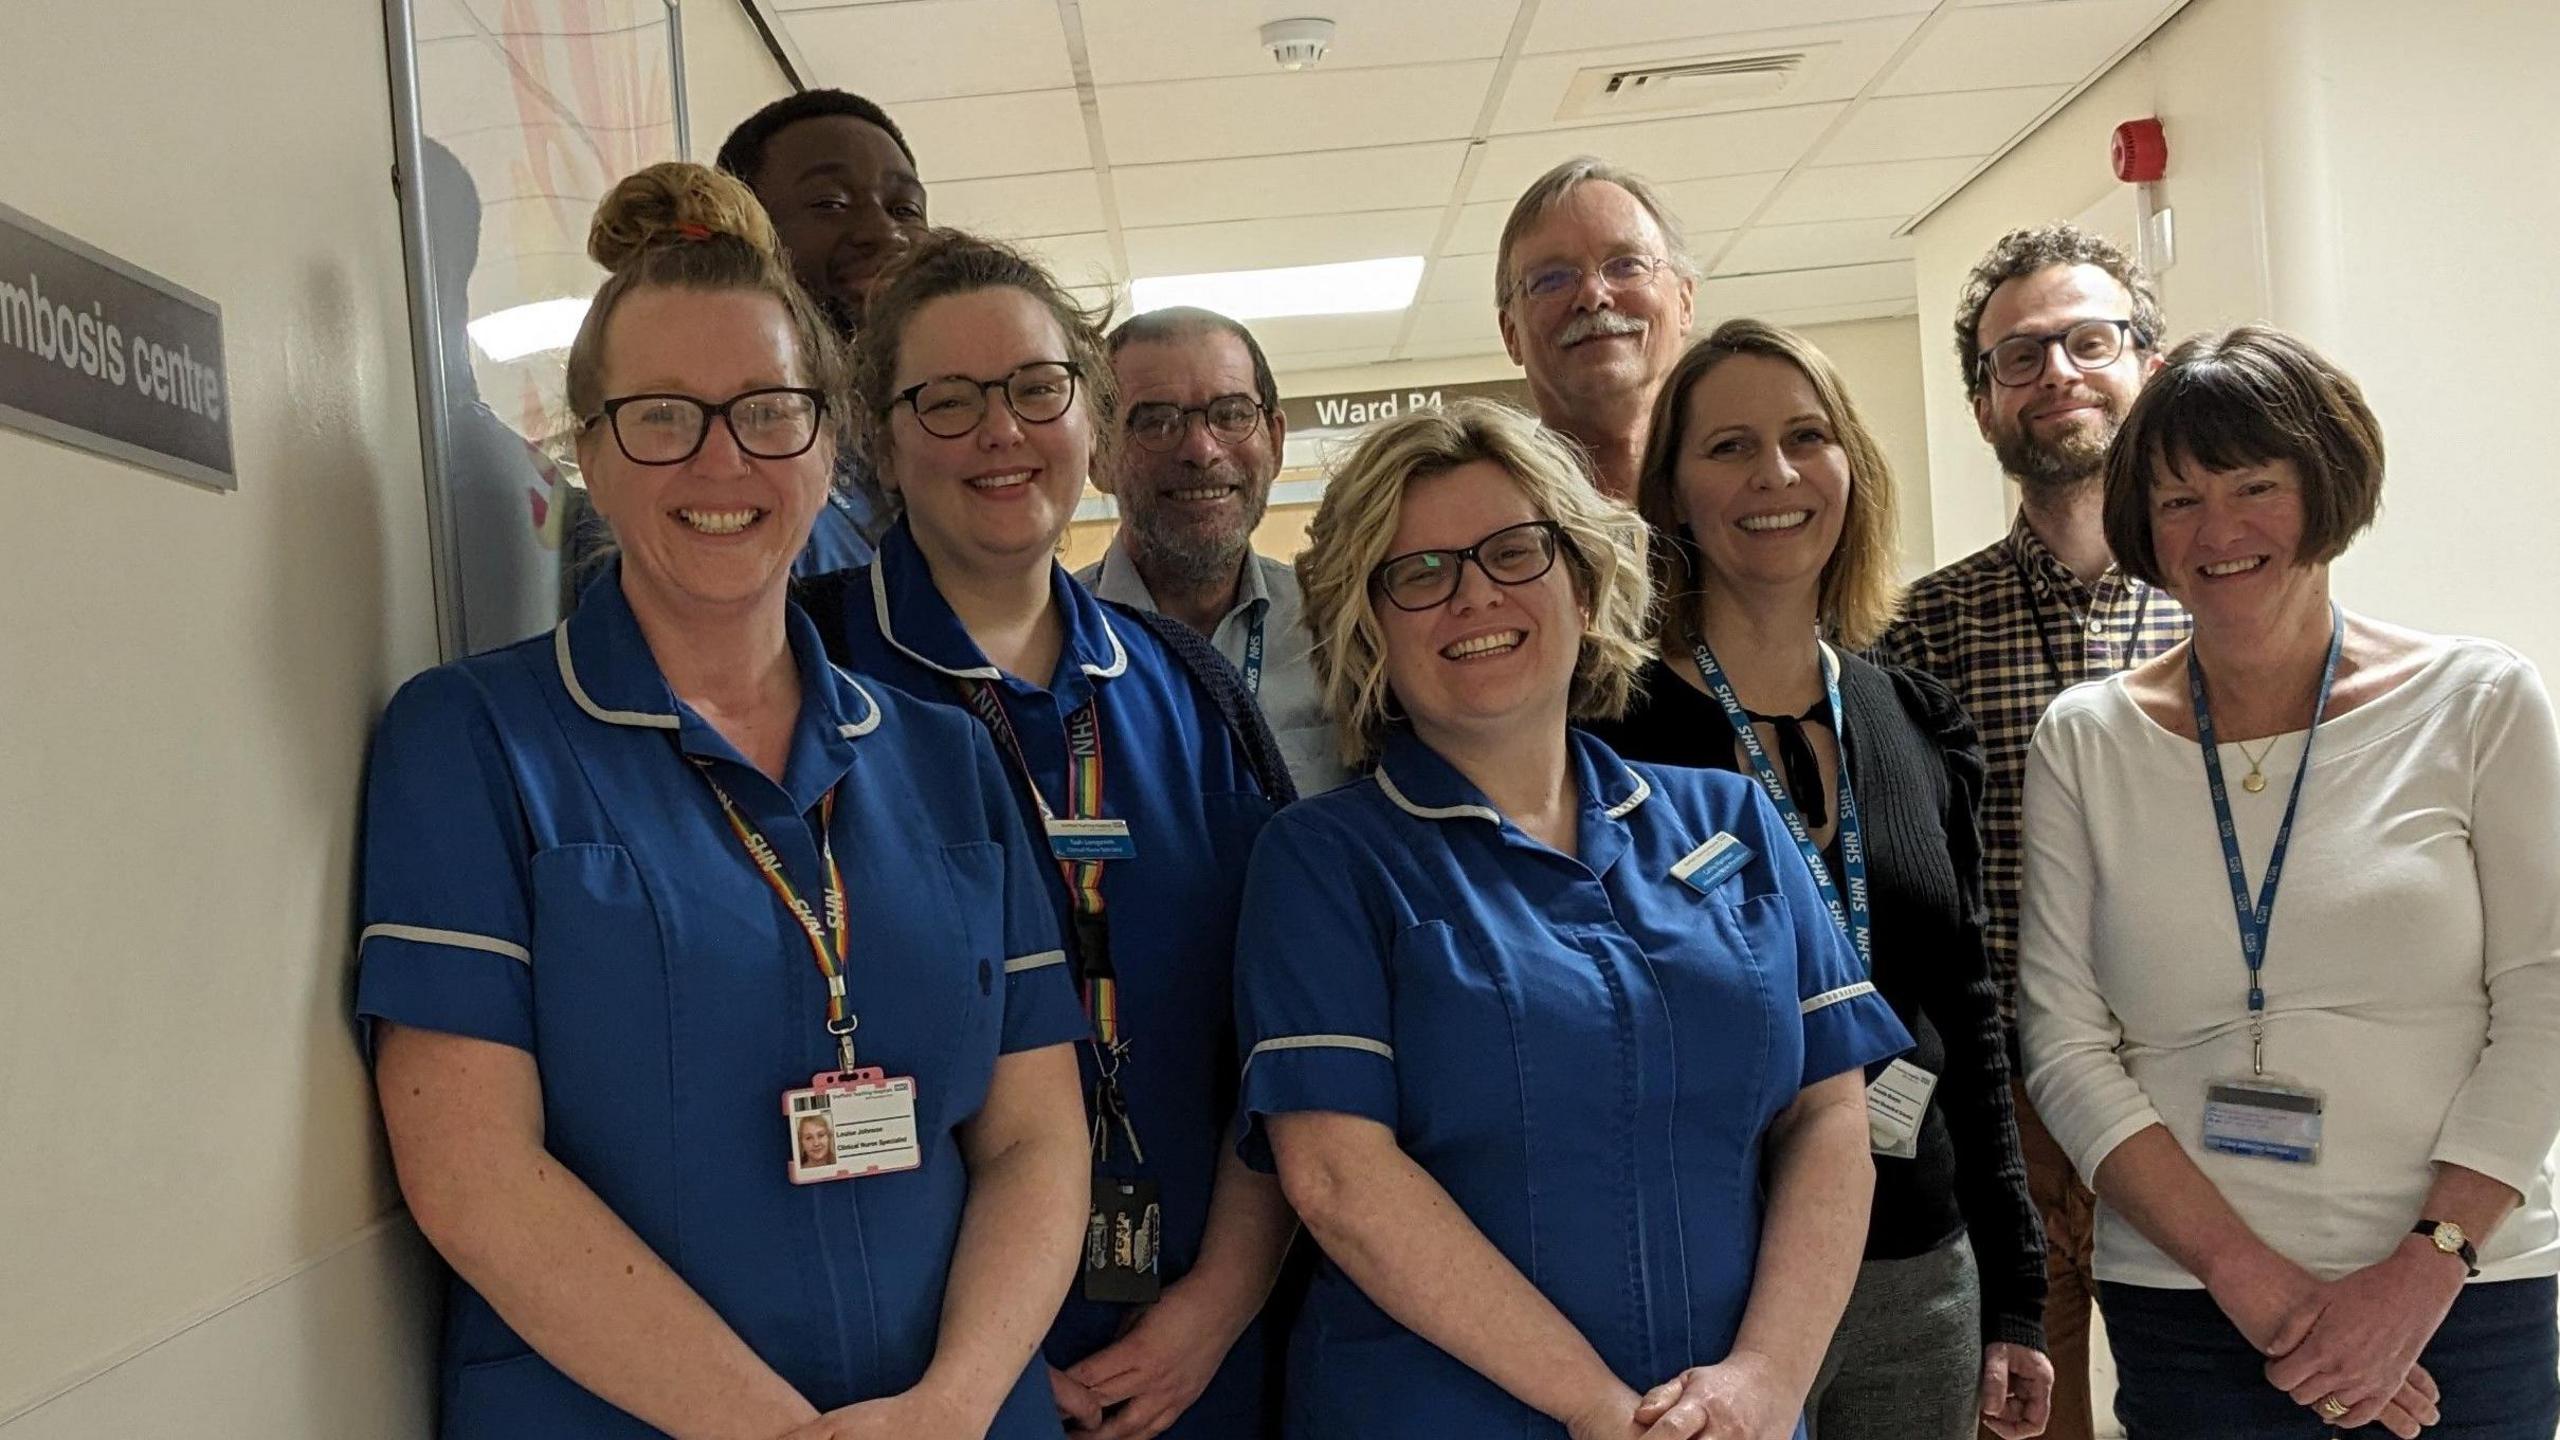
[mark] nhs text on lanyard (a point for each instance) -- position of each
(2250, 1116)
(1125, 1220)
(847, 1122)
(1898, 1097)
(1851, 912)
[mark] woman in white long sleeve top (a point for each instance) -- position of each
(2324, 1169)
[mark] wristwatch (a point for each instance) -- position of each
(2448, 1237)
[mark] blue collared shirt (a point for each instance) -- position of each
(1174, 772)
(1584, 1051)
(544, 869)
(840, 538)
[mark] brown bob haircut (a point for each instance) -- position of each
(2244, 398)
(1859, 588)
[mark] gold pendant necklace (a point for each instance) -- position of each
(2254, 781)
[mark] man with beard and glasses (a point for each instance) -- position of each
(840, 182)
(1594, 292)
(2057, 329)
(1201, 439)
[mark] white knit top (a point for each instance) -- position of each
(2413, 962)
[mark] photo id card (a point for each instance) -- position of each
(1121, 1238)
(850, 1124)
(2255, 1117)
(1897, 1101)
(1090, 839)
(1711, 864)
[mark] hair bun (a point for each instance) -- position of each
(674, 203)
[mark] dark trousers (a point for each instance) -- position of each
(2185, 1372)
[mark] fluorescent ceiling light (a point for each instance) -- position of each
(528, 329)
(1361, 287)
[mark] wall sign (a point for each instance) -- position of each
(1311, 413)
(109, 357)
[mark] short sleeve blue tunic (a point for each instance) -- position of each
(1583, 1050)
(1175, 773)
(544, 869)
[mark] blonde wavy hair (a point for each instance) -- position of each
(1355, 526)
(1859, 587)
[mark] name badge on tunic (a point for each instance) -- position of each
(1897, 1101)
(1090, 839)
(1123, 1233)
(1711, 864)
(2268, 1121)
(848, 1124)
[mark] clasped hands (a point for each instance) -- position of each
(2353, 1342)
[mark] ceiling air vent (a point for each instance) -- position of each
(1607, 91)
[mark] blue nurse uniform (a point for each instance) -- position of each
(1583, 1050)
(1173, 771)
(544, 869)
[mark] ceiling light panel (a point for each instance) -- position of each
(1359, 287)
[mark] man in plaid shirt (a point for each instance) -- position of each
(2057, 329)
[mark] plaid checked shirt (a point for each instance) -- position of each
(2008, 628)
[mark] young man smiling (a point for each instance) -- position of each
(2057, 330)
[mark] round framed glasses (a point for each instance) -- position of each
(951, 406)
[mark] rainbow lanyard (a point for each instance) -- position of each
(826, 942)
(1083, 876)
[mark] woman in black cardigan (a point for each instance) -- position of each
(1772, 511)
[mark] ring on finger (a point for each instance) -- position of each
(2331, 1408)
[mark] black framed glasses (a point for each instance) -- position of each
(777, 423)
(1512, 555)
(2090, 345)
(1618, 272)
(951, 406)
(1231, 420)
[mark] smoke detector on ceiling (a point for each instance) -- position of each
(1298, 44)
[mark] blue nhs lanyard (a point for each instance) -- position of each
(2254, 921)
(1852, 915)
(1252, 666)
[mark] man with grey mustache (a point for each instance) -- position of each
(1595, 291)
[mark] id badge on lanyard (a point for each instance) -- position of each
(2254, 1115)
(1898, 1099)
(1124, 1223)
(847, 1122)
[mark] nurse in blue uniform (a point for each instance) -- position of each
(644, 895)
(985, 393)
(1559, 1057)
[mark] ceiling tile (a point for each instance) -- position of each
(1281, 114)
(1840, 61)
(1704, 208)
(1298, 335)
(1326, 360)
(1693, 148)
(926, 50)
(1799, 289)
(1460, 279)
(1060, 202)
(1268, 244)
(1199, 191)
(1132, 41)
(1804, 247)
(984, 135)
(1075, 260)
(1591, 24)
(1858, 192)
(1457, 321)
(2035, 44)
(1970, 123)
